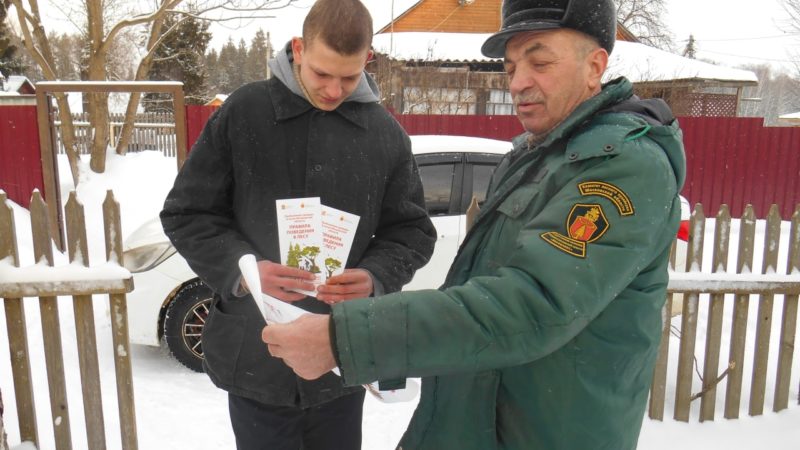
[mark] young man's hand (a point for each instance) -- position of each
(279, 281)
(352, 283)
(304, 345)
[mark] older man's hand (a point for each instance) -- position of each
(304, 345)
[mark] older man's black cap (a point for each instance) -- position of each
(596, 18)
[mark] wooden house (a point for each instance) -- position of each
(428, 61)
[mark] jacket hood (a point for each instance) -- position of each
(654, 110)
(662, 127)
(281, 66)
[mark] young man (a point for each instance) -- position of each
(545, 333)
(315, 129)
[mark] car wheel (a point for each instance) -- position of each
(184, 321)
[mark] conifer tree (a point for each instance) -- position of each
(226, 67)
(179, 58)
(257, 55)
(690, 50)
(10, 63)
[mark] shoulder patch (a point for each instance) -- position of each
(607, 190)
(585, 224)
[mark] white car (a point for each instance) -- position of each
(170, 302)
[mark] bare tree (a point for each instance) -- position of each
(104, 22)
(645, 19)
(777, 93)
(792, 8)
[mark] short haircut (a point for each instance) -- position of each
(344, 25)
(584, 44)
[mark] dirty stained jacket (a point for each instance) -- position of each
(264, 143)
(545, 332)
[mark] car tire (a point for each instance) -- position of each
(184, 321)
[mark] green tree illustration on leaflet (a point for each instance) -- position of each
(309, 257)
(293, 257)
(331, 264)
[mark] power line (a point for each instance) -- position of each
(748, 57)
(744, 39)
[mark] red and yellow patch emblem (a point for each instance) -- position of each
(585, 223)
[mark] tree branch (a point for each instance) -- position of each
(708, 387)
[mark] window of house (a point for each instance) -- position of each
(418, 100)
(500, 103)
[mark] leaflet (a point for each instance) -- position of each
(300, 236)
(338, 230)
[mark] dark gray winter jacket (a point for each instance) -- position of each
(267, 142)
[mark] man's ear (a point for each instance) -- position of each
(297, 49)
(370, 54)
(597, 63)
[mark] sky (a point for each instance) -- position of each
(735, 31)
(178, 409)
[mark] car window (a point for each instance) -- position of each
(481, 174)
(437, 181)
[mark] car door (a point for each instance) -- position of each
(450, 181)
(478, 171)
(441, 175)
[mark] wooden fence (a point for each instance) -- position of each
(26, 282)
(741, 287)
(152, 131)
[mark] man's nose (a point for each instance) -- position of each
(333, 90)
(519, 82)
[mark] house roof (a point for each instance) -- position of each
(217, 100)
(638, 62)
(455, 17)
(16, 85)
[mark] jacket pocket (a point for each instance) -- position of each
(222, 343)
(518, 201)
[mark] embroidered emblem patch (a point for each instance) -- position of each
(611, 192)
(586, 223)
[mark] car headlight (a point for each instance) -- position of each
(144, 258)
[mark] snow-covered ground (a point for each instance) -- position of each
(179, 409)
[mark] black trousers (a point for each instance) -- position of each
(335, 425)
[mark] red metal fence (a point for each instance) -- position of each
(731, 160)
(735, 161)
(196, 118)
(20, 162)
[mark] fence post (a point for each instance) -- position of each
(764, 323)
(658, 388)
(51, 329)
(85, 329)
(119, 328)
(17, 337)
(722, 234)
(741, 305)
(694, 259)
(789, 323)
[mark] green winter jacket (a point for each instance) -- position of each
(545, 333)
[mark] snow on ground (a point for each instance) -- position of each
(179, 409)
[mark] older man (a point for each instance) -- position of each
(546, 330)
